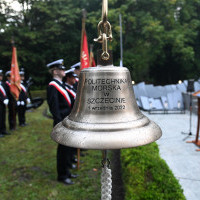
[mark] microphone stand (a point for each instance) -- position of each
(190, 132)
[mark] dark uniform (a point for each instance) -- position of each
(72, 93)
(76, 67)
(3, 100)
(12, 107)
(21, 105)
(60, 104)
(71, 90)
(59, 101)
(75, 86)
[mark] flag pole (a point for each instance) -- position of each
(84, 13)
(121, 41)
(12, 41)
(91, 52)
(13, 106)
(82, 34)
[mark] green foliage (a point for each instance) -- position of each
(146, 176)
(161, 38)
(28, 165)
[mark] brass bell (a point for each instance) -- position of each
(105, 114)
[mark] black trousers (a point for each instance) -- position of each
(21, 114)
(63, 161)
(2, 117)
(12, 110)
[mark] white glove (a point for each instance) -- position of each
(18, 103)
(22, 103)
(6, 101)
(28, 100)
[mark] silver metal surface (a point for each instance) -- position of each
(105, 114)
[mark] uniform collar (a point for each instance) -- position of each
(58, 80)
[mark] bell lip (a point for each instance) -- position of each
(101, 140)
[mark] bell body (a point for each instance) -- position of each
(105, 114)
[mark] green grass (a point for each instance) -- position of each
(28, 168)
(147, 177)
(39, 93)
(28, 165)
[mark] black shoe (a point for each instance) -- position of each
(1, 135)
(6, 133)
(22, 125)
(73, 175)
(67, 181)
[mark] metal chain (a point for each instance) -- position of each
(104, 31)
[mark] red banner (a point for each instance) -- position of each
(14, 76)
(85, 61)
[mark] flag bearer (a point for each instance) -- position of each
(12, 108)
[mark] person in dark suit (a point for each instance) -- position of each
(69, 80)
(3, 103)
(12, 105)
(60, 105)
(77, 70)
(22, 101)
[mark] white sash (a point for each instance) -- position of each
(2, 91)
(62, 91)
(71, 92)
(8, 83)
(23, 88)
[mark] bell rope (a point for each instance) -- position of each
(106, 178)
(106, 183)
